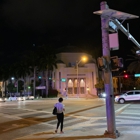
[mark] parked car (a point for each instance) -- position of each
(29, 98)
(16, 98)
(132, 95)
(3, 99)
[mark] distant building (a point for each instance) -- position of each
(65, 76)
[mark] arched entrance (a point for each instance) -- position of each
(70, 86)
(82, 86)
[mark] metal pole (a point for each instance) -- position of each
(77, 79)
(47, 83)
(17, 87)
(24, 87)
(111, 126)
(34, 82)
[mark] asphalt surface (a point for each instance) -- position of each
(77, 125)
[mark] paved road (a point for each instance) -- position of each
(25, 118)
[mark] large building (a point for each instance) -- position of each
(70, 68)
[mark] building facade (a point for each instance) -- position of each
(76, 81)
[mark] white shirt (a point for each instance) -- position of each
(60, 107)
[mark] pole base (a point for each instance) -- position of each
(112, 135)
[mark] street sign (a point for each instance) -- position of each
(63, 80)
(137, 75)
(41, 87)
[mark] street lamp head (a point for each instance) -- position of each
(12, 78)
(84, 59)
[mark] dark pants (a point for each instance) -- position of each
(60, 118)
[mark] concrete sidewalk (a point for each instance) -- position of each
(87, 131)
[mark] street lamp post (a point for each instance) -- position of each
(77, 77)
(34, 85)
(77, 63)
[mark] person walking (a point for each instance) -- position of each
(65, 93)
(60, 115)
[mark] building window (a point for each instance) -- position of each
(82, 86)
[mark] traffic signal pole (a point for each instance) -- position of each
(107, 74)
(109, 18)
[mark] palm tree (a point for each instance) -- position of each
(47, 62)
(20, 70)
(134, 66)
(5, 74)
(32, 60)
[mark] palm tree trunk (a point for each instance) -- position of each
(46, 83)
(43, 83)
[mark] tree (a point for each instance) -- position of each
(11, 88)
(128, 83)
(21, 69)
(137, 83)
(134, 66)
(99, 86)
(47, 62)
(32, 60)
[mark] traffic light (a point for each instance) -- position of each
(126, 76)
(116, 63)
(102, 63)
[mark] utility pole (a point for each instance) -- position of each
(109, 18)
(77, 79)
(107, 74)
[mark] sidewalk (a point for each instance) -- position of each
(70, 98)
(87, 131)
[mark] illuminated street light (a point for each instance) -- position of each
(77, 63)
(12, 78)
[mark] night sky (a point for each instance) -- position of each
(60, 23)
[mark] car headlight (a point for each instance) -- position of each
(104, 94)
(116, 96)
